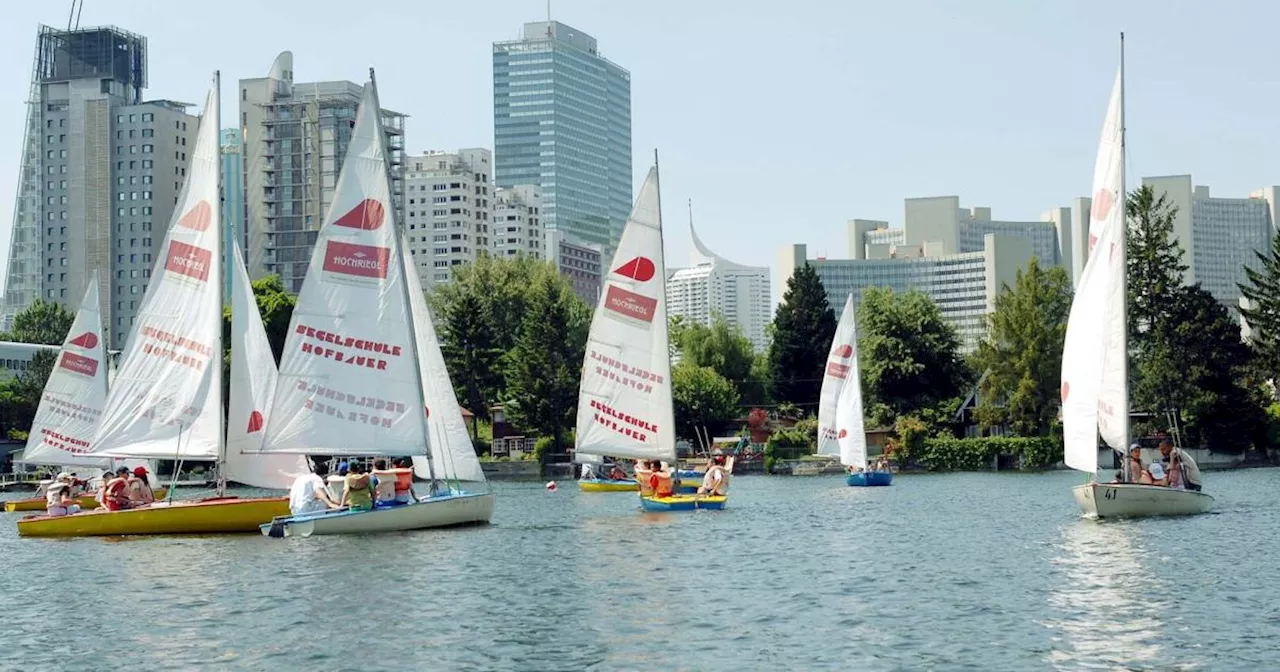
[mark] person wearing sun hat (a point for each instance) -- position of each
(140, 493)
(1158, 477)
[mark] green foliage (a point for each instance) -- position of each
(481, 312)
(544, 367)
(912, 432)
(802, 331)
(702, 398)
(1263, 313)
(543, 448)
(909, 355)
(1155, 267)
(788, 444)
(1022, 354)
(43, 322)
(978, 454)
(722, 347)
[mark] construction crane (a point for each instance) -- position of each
(73, 18)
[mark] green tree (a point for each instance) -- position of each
(544, 368)
(20, 396)
(910, 355)
(1263, 311)
(1155, 267)
(802, 331)
(43, 322)
(1022, 354)
(702, 398)
(275, 306)
(722, 347)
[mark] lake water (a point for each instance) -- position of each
(957, 571)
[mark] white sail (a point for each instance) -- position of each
(451, 448)
(253, 381)
(166, 398)
(1094, 390)
(348, 381)
(624, 403)
(73, 397)
(840, 423)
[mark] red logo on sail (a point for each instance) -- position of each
(86, 340)
(365, 261)
(197, 218)
(837, 370)
(188, 260)
(843, 433)
(630, 304)
(79, 364)
(640, 268)
(255, 422)
(1066, 390)
(845, 351)
(367, 215)
(1102, 202)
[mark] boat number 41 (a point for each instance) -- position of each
(1109, 493)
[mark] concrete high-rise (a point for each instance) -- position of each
(448, 205)
(716, 286)
(517, 222)
(101, 170)
(562, 121)
(295, 139)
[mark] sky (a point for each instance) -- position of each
(780, 120)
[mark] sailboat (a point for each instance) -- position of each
(166, 399)
(353, 379)
(624, 401)
(840, 422)
(1095, 390)
(592, 480)
(71, 403)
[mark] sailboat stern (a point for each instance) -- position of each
(1132, 500)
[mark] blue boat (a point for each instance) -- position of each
(682, 503)
(869, 478)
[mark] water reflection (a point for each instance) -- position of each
(1108, 600)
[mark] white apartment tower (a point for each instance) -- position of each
(295, 139)
(448, 202)
(101, 171)
(716, 286)
(517, 222)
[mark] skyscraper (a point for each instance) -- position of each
(715, 286)
(295, 138)
(562, 121)
(447, 210)
(231, 145)
(101, 170)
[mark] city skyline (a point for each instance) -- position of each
(851, 101)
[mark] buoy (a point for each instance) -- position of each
(551, 486)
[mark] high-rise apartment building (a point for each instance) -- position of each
(716, 286)
(579, 264)
(562, 121)
(231, 146)
(101, 170)
(517, 222)
(295, 139)
(448, 207)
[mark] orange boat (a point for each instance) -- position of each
(85, 502)
(217, 515)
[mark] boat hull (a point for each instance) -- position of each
(1132, 500)
(465, 508)
(209, 516)
(85, 502)
(599, 485)
(869, 479)
(683, 503)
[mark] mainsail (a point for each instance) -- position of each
(166, 398)
(1094, 391)
(74, 395)
(624, 402)
(349, 381)
(253, 381)
(840, 424)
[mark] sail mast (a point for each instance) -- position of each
(220, 253)
(408, 302)
(1124, 258)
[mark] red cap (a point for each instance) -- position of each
(139, 471)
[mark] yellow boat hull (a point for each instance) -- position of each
(209, 516)
(608, 486)
(85, 501)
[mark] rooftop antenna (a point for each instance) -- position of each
(81, 9)
(548, 10)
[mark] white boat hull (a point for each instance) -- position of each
(447, 510)
(1131, 500)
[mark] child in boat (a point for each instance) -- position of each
(116, 495)
(357, 491)
(60, 501)
(403, 474)
(643, 472)
(716, 480)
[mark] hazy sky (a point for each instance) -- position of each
(781, 120)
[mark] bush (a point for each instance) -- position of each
(977, 454)
(788, 444)
(542, 448)
(911, 432)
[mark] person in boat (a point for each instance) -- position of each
(384, 483)
(616, 473)
(403, 485)
(882, 464)
(716, 480)
(1156, 475)
(140, 493)
(1133, 471)
(588, 473)
(59, 501)
(1180, 463)
(308, 494)
(643, 472)
(116, 495)
(357, 489)
(660, 481)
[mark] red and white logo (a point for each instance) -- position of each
(837, 370)
(79, 364)
(843, 433)
(630, 304)
(365, 261)
(197, 218)
(1102, 202)
(188, 260)
(367, 216)
(1066, 390)
(844, 352)
(255, 422)
(87, 340)
(640, 269)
